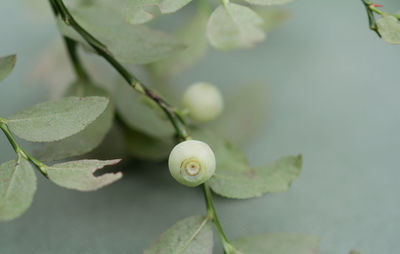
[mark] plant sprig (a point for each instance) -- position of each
(372, 9)
(174, 115)
(21, 151)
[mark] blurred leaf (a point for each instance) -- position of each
(17, 188)
(272, 17)
(136, 13)
(56, 120)
(235, 178)
(79, 175)
(7, 64)
(139, 113)
(277, 243)
(234, 26)
(86, 140)
(389, 28)
(354, 252)
(269, 2)
(192, 235)
(128, 43)
(245, 113)
(193, 34)
(145, 147)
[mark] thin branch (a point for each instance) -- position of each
(173, 114)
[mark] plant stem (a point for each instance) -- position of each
(212, 213)
(173, 114)
(19, 150)
(371, 9)
(75, 60)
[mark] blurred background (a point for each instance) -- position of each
(332, 94)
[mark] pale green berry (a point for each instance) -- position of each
(192, 162)
(203, 101)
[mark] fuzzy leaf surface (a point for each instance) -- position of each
(86, 140)
(17, 188)
(146, 117)
(145, 147)
(193, 34)
(235, 178)
(234, 26)
(389, 28)
(128, 43)
(56, 120)
(136, 9)
(7, 64)
(192, 235)
(79, 175)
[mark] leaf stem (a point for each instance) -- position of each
(173, 114)
(212, 213)
(19, 150)
(371, 10)
(75, 60)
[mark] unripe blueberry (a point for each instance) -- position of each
(192, 162)
(203, 101)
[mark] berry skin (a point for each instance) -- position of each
(192, 162)
(203, 101)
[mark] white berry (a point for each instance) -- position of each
(192, 162)
(203, 101)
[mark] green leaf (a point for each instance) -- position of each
(269, 2)
(56, 120)
(389, 28)
(86, 140)
(137, 14)
(192, 235)
(145, 147)
(17, 188)
(7, 64)
(193, 34)
(241, 120)
(141, 114)
(79, 175)
(235, 178)
(277, 243)
(234, 26)
(128, 43)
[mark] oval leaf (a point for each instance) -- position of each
(269, 2)
(136, 13)
(79, 175)
(128, 43)
(389, 28)
(140, 113)
(7, 64)
(145, 147)
(17, 188)
(86, 140)
(235, 178)
(192, 235)
(277, 243)
(193, 34)
(234, 26)
(56, 120)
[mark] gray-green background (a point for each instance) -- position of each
(334, 96)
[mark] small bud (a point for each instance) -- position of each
(377, 5)
(203, 101)
(192, 162)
